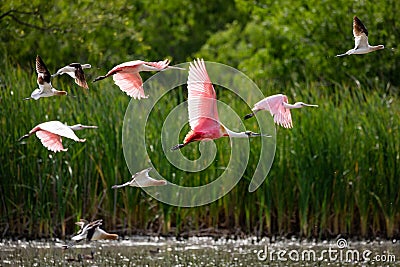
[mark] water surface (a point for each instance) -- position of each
(201, 251)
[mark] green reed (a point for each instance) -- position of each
(335, 172)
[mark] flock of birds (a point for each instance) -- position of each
(202, 109)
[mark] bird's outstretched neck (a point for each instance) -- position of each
(24, 136)
(100, 78)
(248, 116)
(178, 146)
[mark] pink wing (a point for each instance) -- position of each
(202, 106)
(160, 65)
(130, 66)
(130, 83)
(58, 128)
(51, 141)
(274, 104)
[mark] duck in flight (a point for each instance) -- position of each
(75, 70)
(361, 46)
(43, 80)
(90, 231)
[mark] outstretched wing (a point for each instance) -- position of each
(360, 33)
(80, 77)
(130, 83)
(51, 141)
(274, 104)
(142, 179)
(156, 66)
(42, 71)
(58, 128)
(202, 100)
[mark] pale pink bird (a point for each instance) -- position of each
(142, 179)
(279, 108)
(361, 45)
(202, 107)
(50, 134)
(127, 77)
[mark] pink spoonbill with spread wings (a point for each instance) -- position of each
(50, 134)
(202, 106)
(127, 77)
(361, 45)
(279, 108)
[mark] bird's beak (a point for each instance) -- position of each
(251, 134)
(310, 105)
(89, 127)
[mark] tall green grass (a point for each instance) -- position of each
(335, 172)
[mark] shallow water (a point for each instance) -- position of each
(202, 251)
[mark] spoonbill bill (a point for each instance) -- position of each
(75, 70)
(126, 75)
(202, 107)
(43, 80)
(142, 179)
(279, 108)
(361, 45)
(50, 134)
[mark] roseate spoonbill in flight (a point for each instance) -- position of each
(279, 108)
(126, 75)
(75, 70)
(50, 134)
(361, 46)
(202, 107)
(142, 179)
(43, 80)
